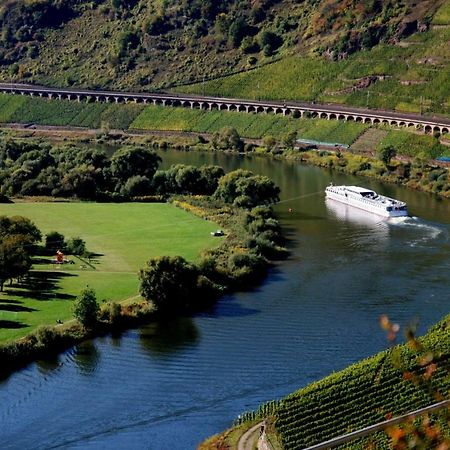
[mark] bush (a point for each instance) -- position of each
(54, 241)
(170, 283)
(86, 308)
(76, 246)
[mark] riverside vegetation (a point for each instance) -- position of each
(235, 201)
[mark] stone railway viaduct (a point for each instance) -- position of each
(425, 124)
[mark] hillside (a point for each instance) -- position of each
(389, 384)
(149, 44)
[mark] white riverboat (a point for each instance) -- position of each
(367, 200)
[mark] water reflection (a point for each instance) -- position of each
(49, 364)
(86, 357)
(169, 336)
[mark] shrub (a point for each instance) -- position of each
(169, 283)
(76, 246)
(54, 241)
(86, 308)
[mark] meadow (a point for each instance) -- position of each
(123, 236)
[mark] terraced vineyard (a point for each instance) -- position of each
(248, 125)
(66, 113)
(364, 394)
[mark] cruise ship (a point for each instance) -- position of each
(367, 200)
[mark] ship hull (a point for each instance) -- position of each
(365, 206)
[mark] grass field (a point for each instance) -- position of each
(124, 235)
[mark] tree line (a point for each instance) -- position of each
(33, 169)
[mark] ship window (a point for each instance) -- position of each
(389, 208)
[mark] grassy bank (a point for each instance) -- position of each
(123, 235)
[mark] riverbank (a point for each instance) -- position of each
(413, 166)
(252, 239)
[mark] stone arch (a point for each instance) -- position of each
(222, 106)
(385, 122)
(332, 116)
(411, 125)
(428, 129)
(259, 109)
(402, 124)
(251, 109)
(350, 119)
(176, 103)
(376, 121)
(278, 111)
(232, 107)
(393, 123)
(444, 130)
(241, 108)
(323, 115)
(341, 117)
(269, 110)
(367, 120)
(436, 129)
(358, 119)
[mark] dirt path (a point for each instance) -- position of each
(249, 439)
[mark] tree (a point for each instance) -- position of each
(76, 246)
(132, 161)
(228, 139)
(290, 139)
(269, 142)
(169, 283)
(386, 153)
(86, 308)
(246, 189)
(54, 241)
(137, 185)
(15, 260)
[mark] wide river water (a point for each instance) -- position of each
(167, 386)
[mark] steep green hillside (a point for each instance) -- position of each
(322, 46)
(411, 76)
(389, 384)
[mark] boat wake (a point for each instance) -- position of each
(424, 231)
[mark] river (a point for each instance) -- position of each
(167, 386)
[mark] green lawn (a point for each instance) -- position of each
(126, 235)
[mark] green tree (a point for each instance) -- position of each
(132, 161)
(15, 261)
(228, 139)
(76, 246)
(170, 283)
(247, 189)
(386, 153)
(290, 139)
(54, 241)
(86, 308)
